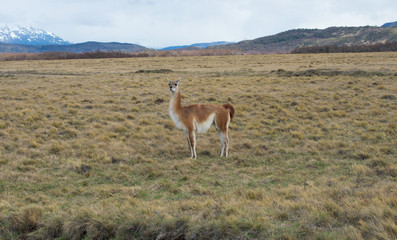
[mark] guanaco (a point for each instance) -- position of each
(199, 118)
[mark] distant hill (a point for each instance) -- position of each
(19, 39)
(28, 35)
(196, 46)
(390, 24)
(75, 48)
(287, 41)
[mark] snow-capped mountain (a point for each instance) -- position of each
(29, 35)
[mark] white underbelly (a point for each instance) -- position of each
(204, 126)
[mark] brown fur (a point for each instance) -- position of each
(201, 112)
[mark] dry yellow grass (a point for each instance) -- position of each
(88, 151)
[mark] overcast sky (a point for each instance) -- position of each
(161, 23)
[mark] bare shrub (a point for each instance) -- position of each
(27, 221)
(86, 227)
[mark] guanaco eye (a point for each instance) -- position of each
(176, 84)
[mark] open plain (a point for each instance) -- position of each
(88, 150)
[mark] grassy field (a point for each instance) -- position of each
(88, 150)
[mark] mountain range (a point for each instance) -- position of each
(17, 39)
(196, 46)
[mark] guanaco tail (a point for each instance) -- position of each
(199, 118)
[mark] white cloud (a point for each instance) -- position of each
(159, 23)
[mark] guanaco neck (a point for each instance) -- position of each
(175, 104)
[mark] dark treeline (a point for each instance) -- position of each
(376, 47)
(68, 55)
(115, 54)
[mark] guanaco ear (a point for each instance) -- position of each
(169, 81)
(177, 82)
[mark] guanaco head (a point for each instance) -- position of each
(173, 85)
